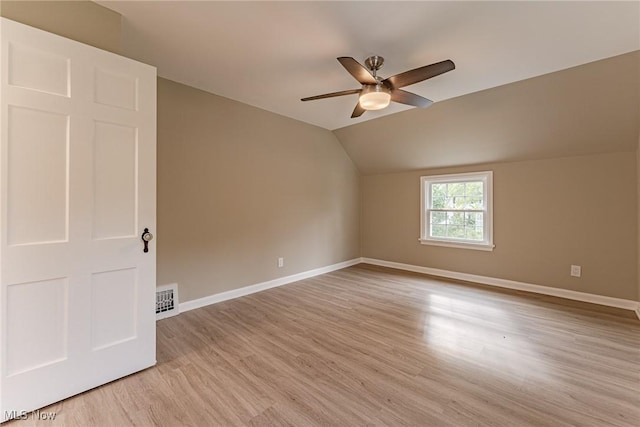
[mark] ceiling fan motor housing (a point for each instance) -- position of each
(374, 63)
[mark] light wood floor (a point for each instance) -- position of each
(374, 346)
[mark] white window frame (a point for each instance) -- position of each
(486, 177)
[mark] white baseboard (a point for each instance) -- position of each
(511, 284)
(484, 280)
(251, 289)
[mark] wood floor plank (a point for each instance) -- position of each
(372, 346)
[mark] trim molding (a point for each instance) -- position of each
(483, 280)
(512, 284)
(251, 289)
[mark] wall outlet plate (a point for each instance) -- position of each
(576, 271)
(280, 262)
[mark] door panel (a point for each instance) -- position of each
(77, 186)
(115, 89)
(36, 324)
(115, 188)
(37, 187)
(109, 289)
(37, 69)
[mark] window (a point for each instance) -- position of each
(457, 210)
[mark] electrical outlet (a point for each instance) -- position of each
(576, 271)
(280, 262)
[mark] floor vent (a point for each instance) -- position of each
(167, 301)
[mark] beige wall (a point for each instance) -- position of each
(84, 21)
(638, 188)
(239, 187)
(548, 215)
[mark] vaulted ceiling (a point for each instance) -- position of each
(271, 54)
(589, 109)
(533, 79)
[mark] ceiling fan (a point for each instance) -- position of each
(376, 93)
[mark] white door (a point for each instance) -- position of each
(77, 187)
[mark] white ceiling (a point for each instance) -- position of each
(271, 54)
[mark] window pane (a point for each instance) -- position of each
(449, 203)
(474, 233)
(479, 219)
(456, 189)
(455, 231)
(438, 217)
(438, 230)
(474, 202)
(474, 188)
(459, 202)
(438, 190)
(457, 225)
(470, 219)
(438, 202)
(438, 196)
(455, 218)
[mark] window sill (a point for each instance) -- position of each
(460, 245)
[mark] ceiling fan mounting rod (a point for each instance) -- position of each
(374, 63)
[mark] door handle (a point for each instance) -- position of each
(146, 238)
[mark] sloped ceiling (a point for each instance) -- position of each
(271, 54)
(589, 109)
(533, 79)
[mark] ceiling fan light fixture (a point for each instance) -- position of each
(376, 93)
(374, 97)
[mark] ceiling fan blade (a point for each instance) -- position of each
(357, 70)
(408, 98)
(332, 94)
(358, 111)
(419, 74)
